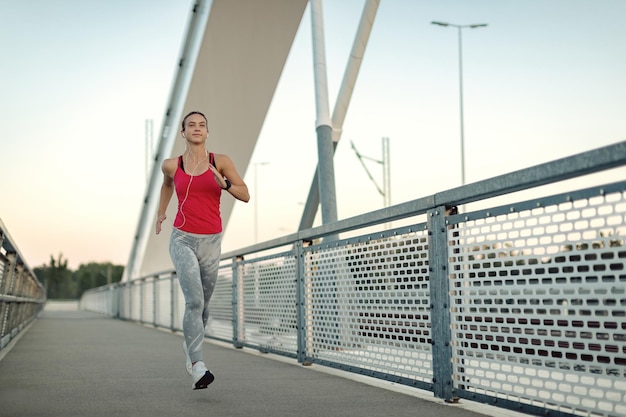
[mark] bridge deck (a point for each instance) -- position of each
(75, 363)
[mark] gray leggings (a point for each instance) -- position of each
(196, 260)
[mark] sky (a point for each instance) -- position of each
(543, 80)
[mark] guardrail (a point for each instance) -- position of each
(521, 305)
(22, 296)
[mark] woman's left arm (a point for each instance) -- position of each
(227, 171)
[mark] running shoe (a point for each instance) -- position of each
(202, 377)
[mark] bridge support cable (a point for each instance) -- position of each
(341, 106)
(198, 19)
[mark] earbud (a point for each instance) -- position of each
(184, 135)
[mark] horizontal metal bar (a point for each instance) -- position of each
(411, 382)
(597, 160)
(14, 299)
(537, 202)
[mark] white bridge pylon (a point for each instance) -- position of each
(230, 63)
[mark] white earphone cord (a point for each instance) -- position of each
(180, 209)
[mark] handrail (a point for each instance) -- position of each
(596, 160)
(511, 304)
(22, 296)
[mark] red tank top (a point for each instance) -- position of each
(198, 201)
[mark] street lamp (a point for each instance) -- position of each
(256, 202)
(459, 27)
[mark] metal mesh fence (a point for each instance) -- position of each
(539, 303)
(163, 301)
(522, 306)
(536, 294)
(22, 296)
(267, 290)
(145, 292)
(367, 304)
(220, 325)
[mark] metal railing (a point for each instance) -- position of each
(521, 305)
(22, 296)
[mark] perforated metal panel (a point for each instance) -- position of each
(268, 302)
(22, 296)
(163, 302)
(220, 325)
(538, 296)
(520, 306)
(103, 301)
(135, 301)
(367, 303)
(179, 306)
(147, 300)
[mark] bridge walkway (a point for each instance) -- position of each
(77, 363)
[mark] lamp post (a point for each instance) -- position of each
(256, 202)
(459, 27)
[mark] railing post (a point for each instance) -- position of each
(238, 306)
(439, 303)
(301, 300)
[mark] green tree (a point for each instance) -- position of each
(62, 283)
(93, 275)
(56, 278)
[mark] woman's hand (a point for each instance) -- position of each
(219, 179)
(160, 220)
(238, 188)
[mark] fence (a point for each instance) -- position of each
(22, 296)
(519, 305)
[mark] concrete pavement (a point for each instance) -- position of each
(75, 363)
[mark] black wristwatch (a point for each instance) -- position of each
(228, 184)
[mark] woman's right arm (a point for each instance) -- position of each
(167, 189)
